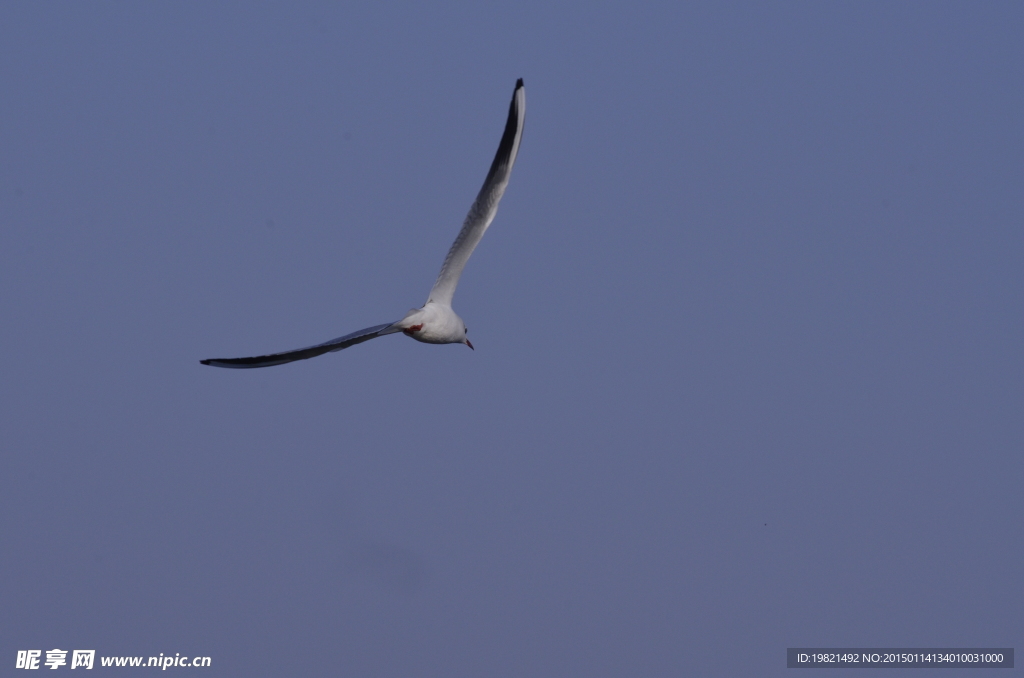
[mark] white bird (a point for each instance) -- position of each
(435, 322)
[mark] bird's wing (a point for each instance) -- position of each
(304, 353)
(486, 205)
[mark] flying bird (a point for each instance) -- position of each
(435, 322)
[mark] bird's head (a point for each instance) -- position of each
(465, 339)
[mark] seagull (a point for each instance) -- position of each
(435, 322)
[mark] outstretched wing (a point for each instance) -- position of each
(304, 353)
(486, 206)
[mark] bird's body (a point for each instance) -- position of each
(435, 322)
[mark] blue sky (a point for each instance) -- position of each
(748, 325)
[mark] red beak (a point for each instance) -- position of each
(469, 344)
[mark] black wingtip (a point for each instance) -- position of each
(519, 83)
(205, 362)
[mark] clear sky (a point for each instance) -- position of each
(748, 327)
